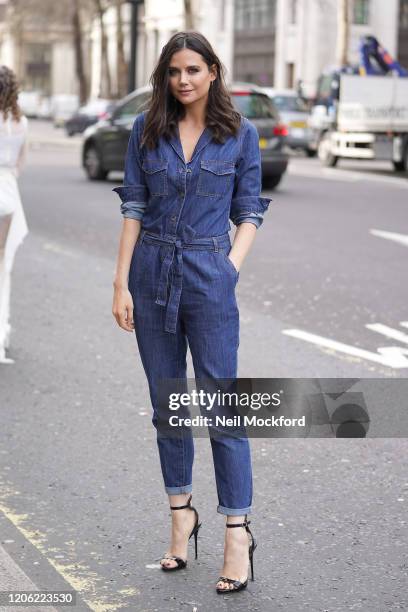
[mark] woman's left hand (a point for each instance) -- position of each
(234, 263)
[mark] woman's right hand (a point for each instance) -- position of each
(122, 308)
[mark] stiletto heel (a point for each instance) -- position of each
(182, 563)
(237, 584)
(195, 539)
(251, 556)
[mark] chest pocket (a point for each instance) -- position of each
(156, 176)
(215, 177)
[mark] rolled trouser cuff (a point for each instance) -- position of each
(177, 490)
(234, 511)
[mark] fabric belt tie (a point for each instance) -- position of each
(175, 254)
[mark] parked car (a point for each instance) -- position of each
(45, 108)
(30, 102)
(62, 107)
(295, 114)
(252, 103)
(105, 144)
(87, 115)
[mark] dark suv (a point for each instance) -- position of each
(105, 143)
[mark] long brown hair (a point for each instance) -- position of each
(9, 94)
(165, 110)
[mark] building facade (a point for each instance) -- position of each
(403, 33)
(269, 42)
(283, 43)
(255, 30)
(307, 33)
(213, 18)
(157, 22)
(39, 51)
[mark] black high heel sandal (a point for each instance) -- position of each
(237, 584)
(181, 563)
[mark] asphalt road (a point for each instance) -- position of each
(82, 505)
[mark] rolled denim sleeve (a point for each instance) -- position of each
(133, 193)
(255, 218)
(246, 204)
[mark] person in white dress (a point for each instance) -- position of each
(13, 225)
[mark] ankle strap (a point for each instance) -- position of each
(187, 505)
(244, 524)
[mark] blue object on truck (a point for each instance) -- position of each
(374, 59)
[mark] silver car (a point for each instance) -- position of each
(295, 114)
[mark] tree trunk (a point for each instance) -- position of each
(79, 58)
(188, 15)
(343, 32)
(121, 66)
(105, 90)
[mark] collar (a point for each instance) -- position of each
(204, 139)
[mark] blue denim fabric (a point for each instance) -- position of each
(208, 321)
(223, 179)
(138, 208)
(183, 282)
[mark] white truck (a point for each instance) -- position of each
(367, 120)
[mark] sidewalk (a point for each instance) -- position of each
(12, 578)
(43, 134)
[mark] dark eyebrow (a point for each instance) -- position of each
(193, 66)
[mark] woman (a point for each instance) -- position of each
(13, 226)
(192, 163)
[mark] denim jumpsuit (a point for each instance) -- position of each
(183, 283)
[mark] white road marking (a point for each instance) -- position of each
(325, 173)
(395, 334)
(348, 176)
(391, 356)
(13, 578)
(400, 238)
(56, 248)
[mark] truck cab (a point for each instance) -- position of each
(361, 112)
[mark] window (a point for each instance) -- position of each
(403, 18)
(135, 106)
(290, 104)
(290, 74)
(38, 67)
(156, 42)
(254, 106)
(254, 14)
(361, 12)
(293, 8)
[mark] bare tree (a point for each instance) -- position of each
(79, 57)
(36, 20)
(106, 82)
(188, 15)
(76, 16)
(343, 31)
(121, 64)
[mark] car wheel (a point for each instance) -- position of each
(311, 152)
(399, 166)
(402, 165)
(324, 150)
(271, 181)
(93, 165)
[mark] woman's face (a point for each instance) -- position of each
(189, 73)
